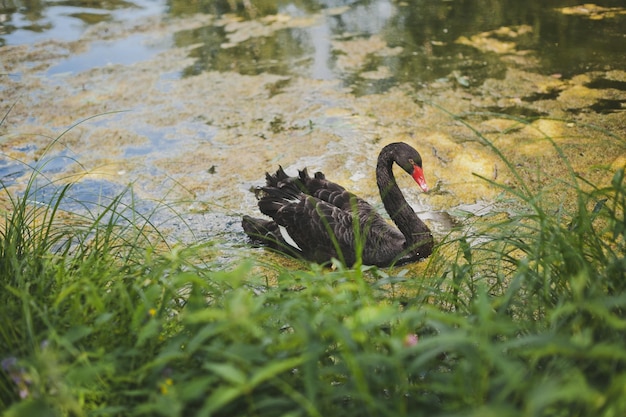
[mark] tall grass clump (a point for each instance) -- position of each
(543, 300)
(76, 292)
(541, 289)
(521, 313)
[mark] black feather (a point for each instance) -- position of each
(326, 221)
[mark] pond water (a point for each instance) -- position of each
(192, 102)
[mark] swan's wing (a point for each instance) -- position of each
(319, 229)
(318, 216)
(382, 240)
(333, 193)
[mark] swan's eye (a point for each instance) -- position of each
(415, 164)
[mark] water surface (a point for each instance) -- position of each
(193, 102)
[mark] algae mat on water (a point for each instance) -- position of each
(204, 137)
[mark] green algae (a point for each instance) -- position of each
(207, 139)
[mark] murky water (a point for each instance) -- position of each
(193, 101)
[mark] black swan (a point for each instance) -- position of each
(315, 219)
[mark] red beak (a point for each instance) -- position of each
(418, 176)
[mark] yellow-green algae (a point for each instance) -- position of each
(207, 139)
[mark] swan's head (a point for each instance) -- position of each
(411, 161)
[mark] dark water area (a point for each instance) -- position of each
(426, 30)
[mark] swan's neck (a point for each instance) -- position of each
(411, 226)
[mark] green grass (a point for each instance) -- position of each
(521, 313)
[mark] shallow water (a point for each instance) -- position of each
(193, 102)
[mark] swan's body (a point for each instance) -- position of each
(318, 220)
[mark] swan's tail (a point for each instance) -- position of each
(267, 232)
(275, 179)
(276, 199)
(260, 230)
(281, 191)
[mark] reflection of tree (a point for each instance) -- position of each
(426, 30)
(278, 54)
(258, 8)
(32, 10)
(41, 19)
(245, 8)
(563, 44)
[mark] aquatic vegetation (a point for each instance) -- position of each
(520, 312)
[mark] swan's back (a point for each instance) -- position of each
(317, 221)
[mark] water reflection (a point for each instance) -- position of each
(23, 22)
(282, 53)
(425, 31)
